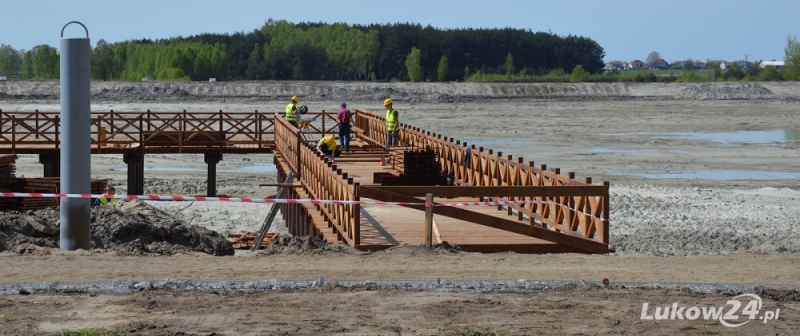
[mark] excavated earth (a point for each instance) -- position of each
(696, 197)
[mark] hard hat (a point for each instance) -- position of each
(388, 101)
(343, 104)
(295, 99)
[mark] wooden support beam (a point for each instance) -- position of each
(569, 240)
(282, 185)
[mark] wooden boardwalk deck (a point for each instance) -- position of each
(386, 226)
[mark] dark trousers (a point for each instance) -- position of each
(391, 138)
(328, 152)
(344, 136)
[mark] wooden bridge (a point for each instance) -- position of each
(563, 214)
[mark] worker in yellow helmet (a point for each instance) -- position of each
(291, 112)
(327, 145)
(392, 123)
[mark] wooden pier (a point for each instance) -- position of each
(561, 213)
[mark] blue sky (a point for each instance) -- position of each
(627, 30)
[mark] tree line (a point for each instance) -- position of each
(282, 50)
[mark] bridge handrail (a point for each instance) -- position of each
(321, 179)
(488, 169)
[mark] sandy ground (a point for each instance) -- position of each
(733, 217)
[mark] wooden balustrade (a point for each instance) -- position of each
(584, 215)
(34, 132)
(321, 179)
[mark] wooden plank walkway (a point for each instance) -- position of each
(385, 226)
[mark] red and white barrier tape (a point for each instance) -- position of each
(278, 200)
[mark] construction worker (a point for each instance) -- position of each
(344, 117)
(327, 145)
(291, 112)
(392, 123)
(103, 200)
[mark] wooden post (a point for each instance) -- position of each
(356, 216)
(37, 123)
(428, 219)
(297, 153)
(323, 124)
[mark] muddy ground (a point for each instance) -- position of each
(728, 213)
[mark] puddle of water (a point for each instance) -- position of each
(613, 150)
(257, 168)
(752, 137)
(721, 175)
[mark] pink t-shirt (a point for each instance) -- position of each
(344, 116)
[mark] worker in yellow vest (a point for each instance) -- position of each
(327, 145)
(106, 200)
(291, 112)
(392, 123)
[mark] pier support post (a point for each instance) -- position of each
(135, 173)
(52, 164)
(212, 159)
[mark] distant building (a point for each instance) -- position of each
(724, 65)
(660, 64)
(699, 64)
(776, 64)
(637, 64)
(744, 64)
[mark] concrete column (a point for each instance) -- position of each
(52, 164)
(212, 159)
(76, 147)
(135, 173)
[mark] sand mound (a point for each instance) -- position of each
(716, 92)
(304, 245)
(127, 227)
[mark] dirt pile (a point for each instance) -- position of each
(127, 227)
(716, 92)
(128, 93)
(304, 245)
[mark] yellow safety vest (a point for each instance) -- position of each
(289, 112)
(104, 201)
(329, 141)
(391, 120)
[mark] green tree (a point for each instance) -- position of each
(509, 65)
(10, 60)
(769, 74)
(734, 73)
(578, 75)
(753, 71)
(443, 70)
(102, 61)
(466, 73)
(414, 66)
(652, 58)
(792, 59)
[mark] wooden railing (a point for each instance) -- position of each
(20, 130)
(321, 179)
(584, 215)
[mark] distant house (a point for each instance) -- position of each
(637, 64)
(699, 64)
(744, 64)
(776, 64)
(660, 64)
(610, 66)
(676, 65)
(724, 65)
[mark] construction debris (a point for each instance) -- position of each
(246, 240)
